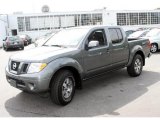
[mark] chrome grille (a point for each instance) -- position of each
(18, 67)
(14, 65)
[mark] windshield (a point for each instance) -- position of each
(14, 38)
(153, 32)
(67, 37)
(22, 36)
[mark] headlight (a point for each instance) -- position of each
(36, 67)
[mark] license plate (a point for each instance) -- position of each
(13, 83)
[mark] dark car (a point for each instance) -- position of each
(128, 32)
(12, 42)
(27, 39)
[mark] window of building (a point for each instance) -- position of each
(121, 19)
(143, 18)
(133, 18)
(77, 20)
(21, 24)
(116, 35)
(96, 19)
(154, 18)
(86, 19)
(43, 23)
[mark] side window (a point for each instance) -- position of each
(98, 35)
(116, 35)
(119, 34)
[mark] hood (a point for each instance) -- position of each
(40, 54)
(151, 39)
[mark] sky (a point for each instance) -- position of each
(34, 6)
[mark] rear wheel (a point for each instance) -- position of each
(63, 87)
(4, 47)
(154, 48)
(22, 48)
(136, 66)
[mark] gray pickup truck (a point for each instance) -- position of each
(73, 55)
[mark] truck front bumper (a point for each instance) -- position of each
(37, 82)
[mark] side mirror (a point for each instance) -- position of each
(93, 43)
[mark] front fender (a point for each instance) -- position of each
(59, 63)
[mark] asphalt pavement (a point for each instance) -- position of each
(115, 94)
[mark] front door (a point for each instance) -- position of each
(96, 59)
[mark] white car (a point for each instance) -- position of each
(138, 34)
(154, 37)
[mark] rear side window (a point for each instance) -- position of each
(116, 35)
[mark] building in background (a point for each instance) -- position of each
(3, 27)
(38, 24)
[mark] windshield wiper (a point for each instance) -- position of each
(62, 46)
(56, 46)
(45, 45)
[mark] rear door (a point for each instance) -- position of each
(120, 48)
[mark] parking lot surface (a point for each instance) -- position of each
(115, 94)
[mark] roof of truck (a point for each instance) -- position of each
(93, 26)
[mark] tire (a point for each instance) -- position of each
(63, 88)
(22, 48)
(4, 48)
(154, 48)
(136, 66)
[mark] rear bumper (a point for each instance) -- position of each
(14, 46)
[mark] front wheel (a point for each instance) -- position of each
(63, 87)
(136, 66)
(22, 48)
(4, 48)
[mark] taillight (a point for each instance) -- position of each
(7, 42)
(149, 44)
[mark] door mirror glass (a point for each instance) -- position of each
(93, 43)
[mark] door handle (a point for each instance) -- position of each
(96, 54)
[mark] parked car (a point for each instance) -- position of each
(138, 34)
(41, 40)
(154, 37)
(128, 32)
(73, 55)
(26, 38)
(12, 42)
(46, 35)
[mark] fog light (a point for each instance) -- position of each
(31, 86)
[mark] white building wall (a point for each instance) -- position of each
(3, 29)
(109, 18)
(12, 19)
(2, 32)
